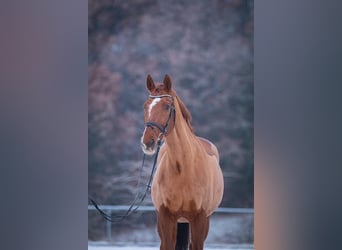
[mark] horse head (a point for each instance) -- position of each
(159, 113)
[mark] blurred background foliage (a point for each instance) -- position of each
(207, 49)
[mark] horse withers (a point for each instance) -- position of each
(188, 183)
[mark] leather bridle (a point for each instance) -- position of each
(163, 128)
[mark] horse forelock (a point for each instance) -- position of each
(159, 89)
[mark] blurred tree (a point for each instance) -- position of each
(207, 49)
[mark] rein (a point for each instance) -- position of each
(139, 198)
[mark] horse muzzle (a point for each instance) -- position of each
(148, 145)
(149, 150)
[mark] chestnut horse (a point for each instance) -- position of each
(188, 183)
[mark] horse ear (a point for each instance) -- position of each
(167, 83)
(150, 83)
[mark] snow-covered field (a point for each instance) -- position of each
(224, 229)
(226, 232)
(97, 246)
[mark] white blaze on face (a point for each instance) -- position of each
(153, 103)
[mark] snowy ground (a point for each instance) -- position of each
(224, 229)
(104, 246)
(231, 232)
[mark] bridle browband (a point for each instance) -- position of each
(163, 129)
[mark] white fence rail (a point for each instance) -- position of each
(109, 209)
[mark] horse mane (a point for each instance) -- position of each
(185, 113)
(184, 110)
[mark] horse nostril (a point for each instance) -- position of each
(150, 143)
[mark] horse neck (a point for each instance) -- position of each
(180, 141)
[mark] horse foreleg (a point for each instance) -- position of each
(167, 229)
(199, 227)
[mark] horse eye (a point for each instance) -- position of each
(166, 106)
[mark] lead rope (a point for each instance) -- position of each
(136, 202)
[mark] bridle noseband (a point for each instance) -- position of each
(163, 129)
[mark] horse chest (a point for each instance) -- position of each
(178, 189)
